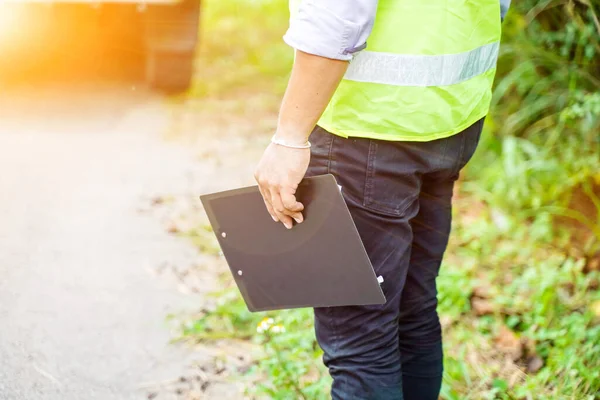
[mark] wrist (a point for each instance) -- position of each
(290, 144)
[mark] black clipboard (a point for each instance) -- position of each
(318, 263)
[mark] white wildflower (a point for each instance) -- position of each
(264, 325)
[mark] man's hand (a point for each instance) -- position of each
(278, 174)
(311, 85)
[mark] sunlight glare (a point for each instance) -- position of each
(11, 20)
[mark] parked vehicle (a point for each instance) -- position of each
(164, 33)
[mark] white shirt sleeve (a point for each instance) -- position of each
(332, 28)
(504, 5)
(337, 29)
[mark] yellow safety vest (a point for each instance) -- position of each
(426, 74)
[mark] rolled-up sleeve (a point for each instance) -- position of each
(334, 29)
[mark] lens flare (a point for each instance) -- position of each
(11, 21)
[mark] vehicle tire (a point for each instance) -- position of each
(169, 71)
(171, 36)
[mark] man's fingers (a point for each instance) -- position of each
(280, 209)
(281, 204)
(292, 207)
(267, 198)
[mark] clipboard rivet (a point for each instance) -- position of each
(240, 272)
(223, 234)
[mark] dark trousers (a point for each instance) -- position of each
(400, 197)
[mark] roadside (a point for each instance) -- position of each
(227, 138)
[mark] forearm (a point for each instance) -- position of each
(313, 81)
(326, 35)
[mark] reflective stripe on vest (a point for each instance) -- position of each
(422, 70)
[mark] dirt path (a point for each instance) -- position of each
(82, 314)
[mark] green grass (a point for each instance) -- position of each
(526, 236)
(538, 293)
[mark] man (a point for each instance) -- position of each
(394, 126)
